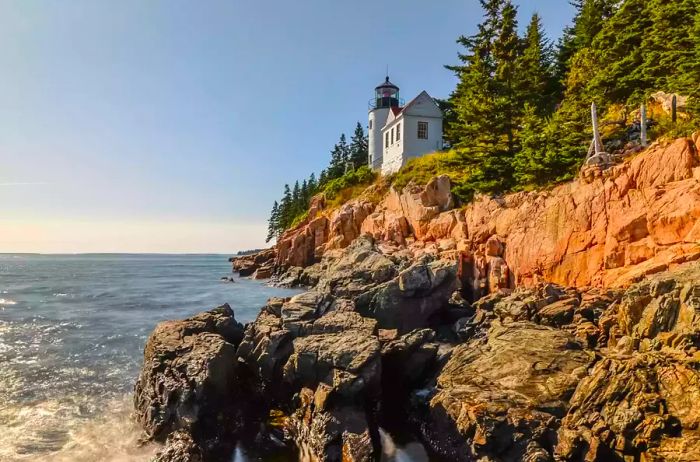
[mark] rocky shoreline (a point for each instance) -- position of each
(505, 335)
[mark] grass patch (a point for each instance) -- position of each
(421, 170)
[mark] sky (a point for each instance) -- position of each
(172, 126)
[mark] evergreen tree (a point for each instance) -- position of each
(536, 79)
(286, 213)
(671, 46)
(588, 21)
(312, 185)
(336, 168)
(486, 104)
(304, 193)
(359, 153)
(296, 199)
(273, 226)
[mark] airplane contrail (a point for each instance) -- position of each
(24, 183)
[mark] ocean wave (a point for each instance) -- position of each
(59, 431)
(7, 301)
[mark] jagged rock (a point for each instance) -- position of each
(180, 447)
(247, 265)
(406, 360)
(189, 380)
(348, 362)
(409, 301)
(356, 269)
(640, 407)
(264, 272)
(501, 399)
(558, 313)
(328, 431)
(266, 346)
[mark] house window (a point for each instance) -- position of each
(422, 130)
(398, 131)
(370, 124)
(386, 140)
(392, 136)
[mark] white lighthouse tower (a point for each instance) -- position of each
(386, 97)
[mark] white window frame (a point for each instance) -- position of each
(386, 140)
(392, 136)
(398, 132)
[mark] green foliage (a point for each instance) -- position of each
(292, 209)
(519, 117)
(363, 176)
(420, 170)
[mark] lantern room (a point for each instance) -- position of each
(386, 95)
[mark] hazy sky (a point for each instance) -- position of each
(171, 126)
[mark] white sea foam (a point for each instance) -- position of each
(7, 301)
(54, 431)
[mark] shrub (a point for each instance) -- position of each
(420, 170)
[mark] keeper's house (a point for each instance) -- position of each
(400, 132)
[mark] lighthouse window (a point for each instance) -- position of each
(392, 136)
(386, 140)
(370, 124)
(398, 131)
(422, 130)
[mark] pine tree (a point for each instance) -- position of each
(671, 44)
(286, 213)
(358, 147)
(536, 79)
(312, 185)
(273, 226)
(296, 199)
(588, 21)
(486, 106)
(304, 193)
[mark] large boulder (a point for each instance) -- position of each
(188, 382)
(501, 398)
(413, 298)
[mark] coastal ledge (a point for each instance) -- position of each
(554, 325)
(540, 373)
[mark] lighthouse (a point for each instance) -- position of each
(398, 132)
(386, 97)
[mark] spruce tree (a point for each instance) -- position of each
(304, 193)
(536, 79)
(312, 185)
(296, 200)
(487, 109)
(359, 153)
(286, 213)
(588, 21)
(273, 227)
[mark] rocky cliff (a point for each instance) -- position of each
(608, 228)
(561, 325)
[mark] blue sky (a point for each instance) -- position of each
(171, 126)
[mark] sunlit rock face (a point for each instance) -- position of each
(609, 227)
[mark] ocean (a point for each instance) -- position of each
(72, 331)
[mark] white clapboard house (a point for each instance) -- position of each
(399, 132)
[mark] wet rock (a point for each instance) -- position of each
(407, 360)
(180, 447)
(266, 346)
(329, 431)
(189, 378)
